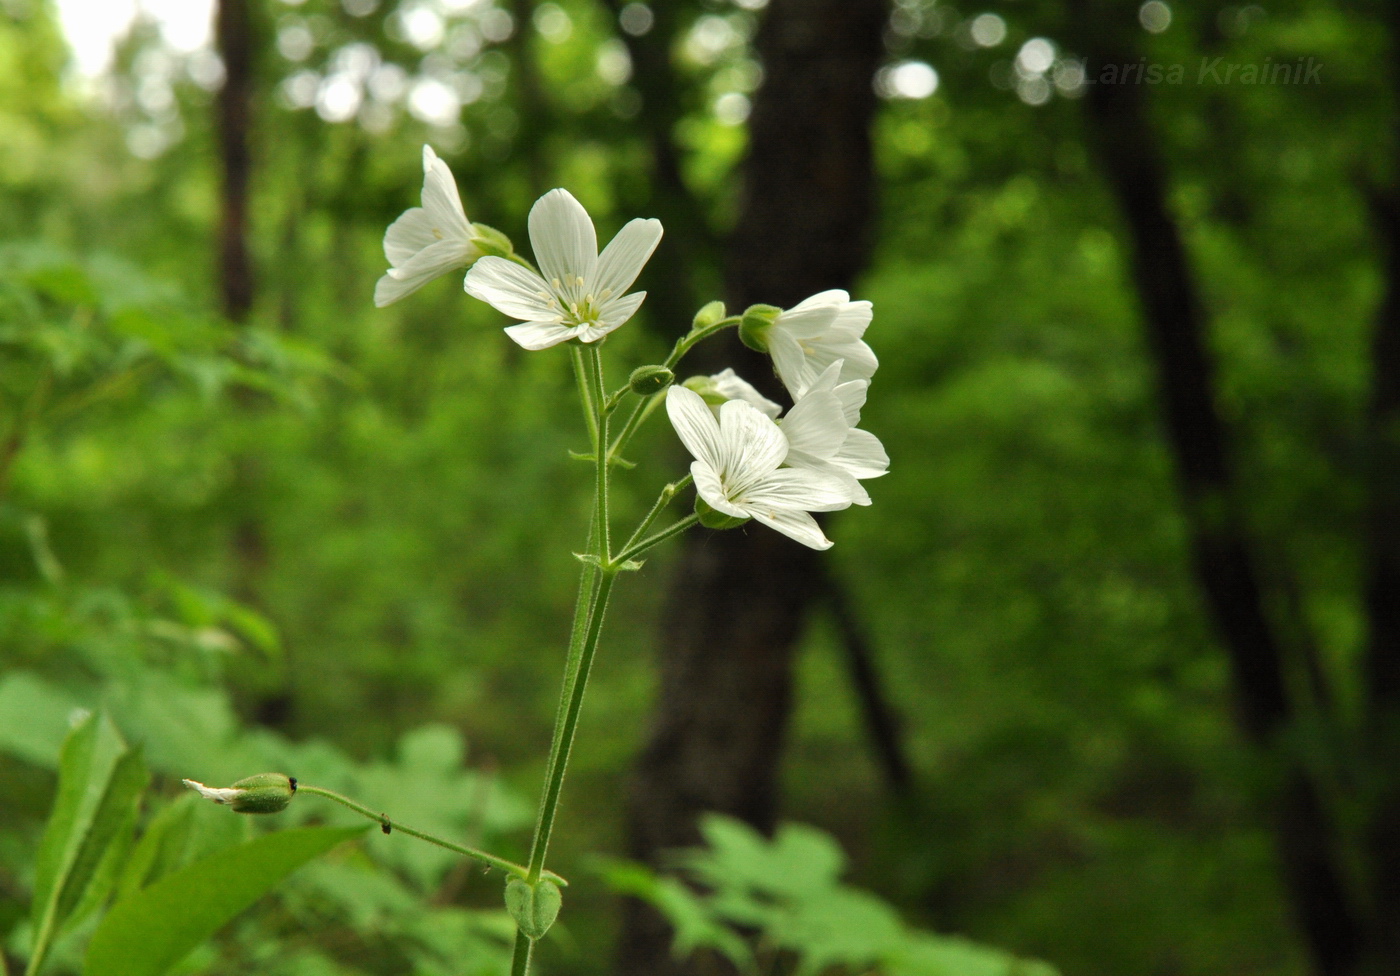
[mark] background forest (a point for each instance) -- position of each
(1107, 676)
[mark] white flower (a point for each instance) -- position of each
(579, 293)
(427, 241)
(225, 794)
(727, 385)
(807, 338)
(737, 468)
(822, 435)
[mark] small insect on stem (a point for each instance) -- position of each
(385, 825)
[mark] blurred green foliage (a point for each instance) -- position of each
(335, 540)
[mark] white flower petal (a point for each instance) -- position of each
(709, 486)
(618, 310)
(832, 296)
(389, 289)
(408, 235)
(752, 444)
(625, 256)
(539, 335)
(798, 526)
(562, 235)
(800, 488)
(516, 291)
(790, 363)
(435, 259)
(852, 397)
(854, 490)
(863, 455)
(440, 199)
(816, 424)
(731, 386)
(218, 794)
(697, 428)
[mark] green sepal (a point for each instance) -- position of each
(488, 240)
(708, 316)
(534, 907)
(755, 325)
(712, 518)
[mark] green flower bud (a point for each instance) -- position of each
(646, 380)
(705, 386)
(708, 316)
(534, 907)
(488, 240)
(263, 793)
(712, 518)
(755, 325)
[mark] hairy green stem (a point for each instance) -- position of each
(665, 498)
(632, 552)
(693, 338)
(389, 824)
(549, 806)
(585, 390)
(520, 959)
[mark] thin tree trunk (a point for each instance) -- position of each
(688, 241)
(739, 598)
(234, 36)
(1383, 566)
(877, 713)
(1224, 563)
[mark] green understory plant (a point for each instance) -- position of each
(752, 461)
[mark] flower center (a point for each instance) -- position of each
(575, 303)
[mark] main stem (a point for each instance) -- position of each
(595, 585)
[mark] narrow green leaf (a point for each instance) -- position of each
(165, 830)
(99, 783)
(151, 931)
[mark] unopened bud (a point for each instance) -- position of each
(713, 518)
(488, 240)
(263, 793)
(646, 380)
(708, 390)
(708, 316)
(757, 321)
(534, 907)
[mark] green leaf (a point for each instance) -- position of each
(150, 932)
(99, 784)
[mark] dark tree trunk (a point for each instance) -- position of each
(234, 35)
(739, 598)
(1224, 563)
